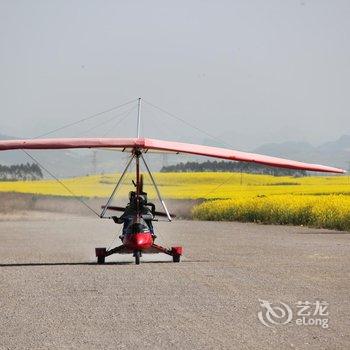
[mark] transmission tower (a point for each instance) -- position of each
(94, 162)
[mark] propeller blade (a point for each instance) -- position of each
(157, 213)
(113, 208)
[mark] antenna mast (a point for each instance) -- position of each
(139, 117)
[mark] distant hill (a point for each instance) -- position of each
(4, 137)
(334, 153)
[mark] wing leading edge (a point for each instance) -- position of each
(163, 146)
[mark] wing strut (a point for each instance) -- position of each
(136, 155)
(156, 187)
(116, 187)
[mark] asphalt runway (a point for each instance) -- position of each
(54, 296)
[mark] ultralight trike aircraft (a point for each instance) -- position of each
(138, 235)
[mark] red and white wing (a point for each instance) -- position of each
(165, 147)
(229, 154)
(65, 143)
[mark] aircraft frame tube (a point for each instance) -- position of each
(116, 187)
(156, 187)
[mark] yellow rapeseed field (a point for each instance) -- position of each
(208, 185)
(326, 211)
(320, 201)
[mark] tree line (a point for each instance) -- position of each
(224, 166)
(20, 172)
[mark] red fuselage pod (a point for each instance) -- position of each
(138, 241)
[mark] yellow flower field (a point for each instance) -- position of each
(321, 201)
(208, 185)
(326, 211)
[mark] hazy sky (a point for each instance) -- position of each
(247, 71)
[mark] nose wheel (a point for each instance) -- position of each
(137, 255)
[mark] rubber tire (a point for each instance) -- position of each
(101, 259)
(137, 255)
(176, 258)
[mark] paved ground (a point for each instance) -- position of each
(53, 295)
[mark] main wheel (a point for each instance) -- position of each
(100, 259)
(101, 255)
(176, 258)
(137, 255)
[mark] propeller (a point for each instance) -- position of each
(157, 213)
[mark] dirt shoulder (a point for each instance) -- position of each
(12, 204)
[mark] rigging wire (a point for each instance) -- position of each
(85, 119)
(120, 115)
(159, 127)
(187, 123)
(61, 183)
(200, 130)
(72, 124)
(115, 238)
(119, 121)
(220, 185)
